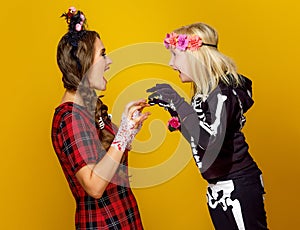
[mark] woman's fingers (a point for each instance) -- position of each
(134, 103)
(131, 106)
(144, 104)
(140, 119)
(144, 117)
(138, 106)
(133, 112)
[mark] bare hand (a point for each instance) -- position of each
(133, 112)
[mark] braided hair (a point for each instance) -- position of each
(75, 56)
(102, 118)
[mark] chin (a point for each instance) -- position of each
(100, 88)
(185, 79)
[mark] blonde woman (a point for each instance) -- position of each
(213, 125)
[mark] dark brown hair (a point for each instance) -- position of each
(75, 55)
(101, 112)
(74, 65)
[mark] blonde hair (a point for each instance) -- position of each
(208, 65)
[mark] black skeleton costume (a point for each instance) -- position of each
(212, 124)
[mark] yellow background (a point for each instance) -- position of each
(261, 36)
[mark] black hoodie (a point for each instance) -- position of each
(214, 131)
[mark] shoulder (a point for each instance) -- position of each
(61, 114)
(69, 112)
(64, 109)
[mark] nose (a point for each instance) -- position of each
(171, 62)
(108, 61)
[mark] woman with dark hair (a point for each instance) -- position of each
(92, 152)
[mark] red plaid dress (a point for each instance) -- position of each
(76, 143)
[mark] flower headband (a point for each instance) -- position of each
(77, 22)
(71, 13)
(184, 42)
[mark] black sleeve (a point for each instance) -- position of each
(189, 122)
(205, 122)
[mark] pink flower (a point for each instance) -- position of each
(72, 9)
(182, 42)
(170, 40)
(82, 17)
(195, 42)
(71, 12)
(78, 27)
(173, 124)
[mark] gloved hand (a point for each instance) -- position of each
(165, 105)
(166, 93)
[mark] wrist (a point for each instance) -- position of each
(118, 146)
(184, 110)
(125, 134)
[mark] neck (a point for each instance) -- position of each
(72, 96)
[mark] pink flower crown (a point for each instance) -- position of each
(184, 42)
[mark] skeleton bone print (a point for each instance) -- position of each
(242, 118)
(220, 194)
(200, 106)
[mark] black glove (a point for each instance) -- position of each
(165, 96)
(161, 103)
(166, 93)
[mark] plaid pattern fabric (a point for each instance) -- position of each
(76, 143)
